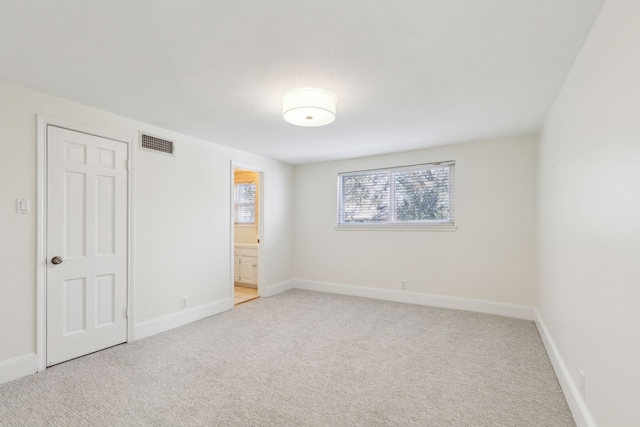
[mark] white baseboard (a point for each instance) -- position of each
(180, 318)
(278, 288)
(501, 309)
(575, 401)
(18, 367)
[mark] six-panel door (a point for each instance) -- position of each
(87, 228)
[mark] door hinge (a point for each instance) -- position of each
(125, 312)
(128, 164)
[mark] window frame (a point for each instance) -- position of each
(237, 205)
(393, 224)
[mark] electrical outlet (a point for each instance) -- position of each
(183, 302)
(403, 284)
(582, 384)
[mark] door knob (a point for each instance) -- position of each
(56, 260)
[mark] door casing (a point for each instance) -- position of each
(41, 254)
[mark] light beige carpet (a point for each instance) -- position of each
(306, 359)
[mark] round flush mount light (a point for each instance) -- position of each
(309, 107)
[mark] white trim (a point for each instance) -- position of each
(418, 166)
(130, 242)
(232, 263)
(41, 232)
(18, 367)
(180, 318)
(576, 403)
(41, 247)
(46, 120)
(131, 162)
(395, 227)
(278, 288)
(480, 306)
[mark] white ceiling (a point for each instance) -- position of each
(407, 74)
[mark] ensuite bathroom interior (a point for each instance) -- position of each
(246, 235)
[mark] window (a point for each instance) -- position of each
(412, 195)
(245, 203)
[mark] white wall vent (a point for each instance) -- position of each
(153, 143)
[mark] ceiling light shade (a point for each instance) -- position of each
(309, 107)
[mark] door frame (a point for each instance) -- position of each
(41, 227)
(262, 286)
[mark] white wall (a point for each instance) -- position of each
(182, 219)
(489, 257)
(589, 218)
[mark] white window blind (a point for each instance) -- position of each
(245, 203)
(418, 195)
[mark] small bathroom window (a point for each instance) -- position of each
(245, 203)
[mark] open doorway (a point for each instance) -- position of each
(246, 233)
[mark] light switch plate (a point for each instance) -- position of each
(23, 206)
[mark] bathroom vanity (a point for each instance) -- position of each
(245, 269)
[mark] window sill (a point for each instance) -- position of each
(396, 227)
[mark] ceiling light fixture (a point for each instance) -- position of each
(309, 107)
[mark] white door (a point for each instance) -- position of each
(87, 230)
